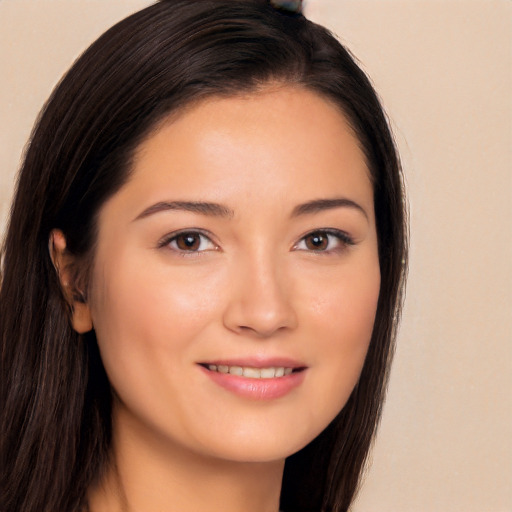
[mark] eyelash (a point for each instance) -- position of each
(343, 240)
(173, 237)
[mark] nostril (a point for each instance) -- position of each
(261, 331)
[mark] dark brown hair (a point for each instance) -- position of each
(55, 421)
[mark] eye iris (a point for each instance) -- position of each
(317, 242)
(188, 242)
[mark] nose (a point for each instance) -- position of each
(261, 303)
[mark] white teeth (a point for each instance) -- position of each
(268, 373)
(250, 372)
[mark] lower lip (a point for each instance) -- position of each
(257, 389)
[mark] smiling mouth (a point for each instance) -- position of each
(250, 372)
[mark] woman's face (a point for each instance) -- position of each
(244, 242)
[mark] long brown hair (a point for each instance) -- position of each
(56, 405)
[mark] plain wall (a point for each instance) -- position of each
(444, 72)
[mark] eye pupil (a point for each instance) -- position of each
(317, 241)
(188, 242)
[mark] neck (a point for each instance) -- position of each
(147, 474)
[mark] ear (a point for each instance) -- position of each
(81, 318)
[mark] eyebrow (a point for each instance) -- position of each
(210, 209)
(320, 205)
(218, 210)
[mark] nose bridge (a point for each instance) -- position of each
(261, 303)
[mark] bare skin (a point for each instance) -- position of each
(245, 237)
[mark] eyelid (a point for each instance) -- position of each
(167, 239)
(343, 238)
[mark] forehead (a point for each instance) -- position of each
(282, 145)
(289, 123)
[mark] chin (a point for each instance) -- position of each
(263, 442)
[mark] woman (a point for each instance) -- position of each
(202, 271)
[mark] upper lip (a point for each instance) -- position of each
(257, 362)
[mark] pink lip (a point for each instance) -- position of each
(257, 389)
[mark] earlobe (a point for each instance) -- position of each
(81, 319)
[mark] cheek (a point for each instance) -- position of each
(343, 303)
(144, 315)
(343, 317)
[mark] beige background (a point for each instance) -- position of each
(444, 71)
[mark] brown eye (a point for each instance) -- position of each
(325, 241)
(189, 241)
(317, 241)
